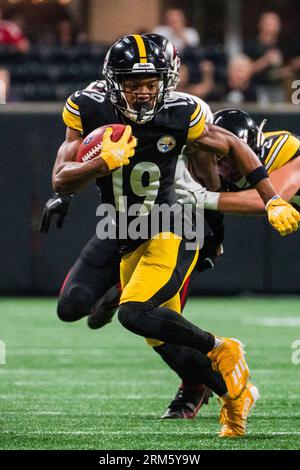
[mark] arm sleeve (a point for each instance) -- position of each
(71, 114)
(198, 119)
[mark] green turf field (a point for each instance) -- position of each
(67, 387)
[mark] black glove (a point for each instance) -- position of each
(209, 253)
(56, 205)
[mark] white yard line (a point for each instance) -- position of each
(273, 321)
(139, 432)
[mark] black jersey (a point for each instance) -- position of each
(149, 177)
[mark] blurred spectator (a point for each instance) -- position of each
(204, 87)
(175, 30)
(239, 87)
(265, 51)
(67, 34)
(4, 86)
(294, 62)
(11, 35)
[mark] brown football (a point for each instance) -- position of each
(91, 145)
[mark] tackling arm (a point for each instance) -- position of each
(282, 216)
(222, 142)
(286, 180)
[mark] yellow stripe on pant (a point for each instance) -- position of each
(145, 271)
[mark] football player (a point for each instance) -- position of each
(279, 151)
(153, 272)
(92, 287)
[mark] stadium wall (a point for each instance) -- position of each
(256, 259)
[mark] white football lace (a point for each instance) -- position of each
(92, 153)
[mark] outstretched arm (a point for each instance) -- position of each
(286, 181)
(217, 140)
(282, 216)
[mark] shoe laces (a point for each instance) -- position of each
(187, 397)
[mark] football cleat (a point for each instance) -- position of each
(228, 359)
(234, 413)
(104, 309)
(187, 402)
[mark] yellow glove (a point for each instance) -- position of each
(116, 154)
(282, 216)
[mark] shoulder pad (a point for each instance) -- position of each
(193, 100)
(98, 85)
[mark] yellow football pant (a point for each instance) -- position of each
(156, 271)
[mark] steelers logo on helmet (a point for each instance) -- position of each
(132, 64)
(166, 143)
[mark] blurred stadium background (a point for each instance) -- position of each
(59, 48)
(48, 49)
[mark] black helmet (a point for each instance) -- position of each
(130, 57)
(242, 125)
(172, 57)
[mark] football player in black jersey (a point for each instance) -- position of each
(92, 287)
(138, 94)
(277, 150)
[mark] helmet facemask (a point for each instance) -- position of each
(140, 111)
(260, 140)
(138, 58)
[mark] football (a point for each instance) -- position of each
(92, 144)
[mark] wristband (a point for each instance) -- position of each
(211, 201)
(255, 176)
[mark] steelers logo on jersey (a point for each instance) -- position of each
(166, 143)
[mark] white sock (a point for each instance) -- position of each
(218, 341)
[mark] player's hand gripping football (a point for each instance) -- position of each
(56, 205)
(116, 154)
(282, 216)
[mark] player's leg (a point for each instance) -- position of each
(156, 278)
(192, 392)
(151, 276)
(105, 308)
(197, 380)
(195, 370)
(95, 271)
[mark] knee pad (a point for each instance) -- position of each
(131, 315)
(125, 314)
(74, 305)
